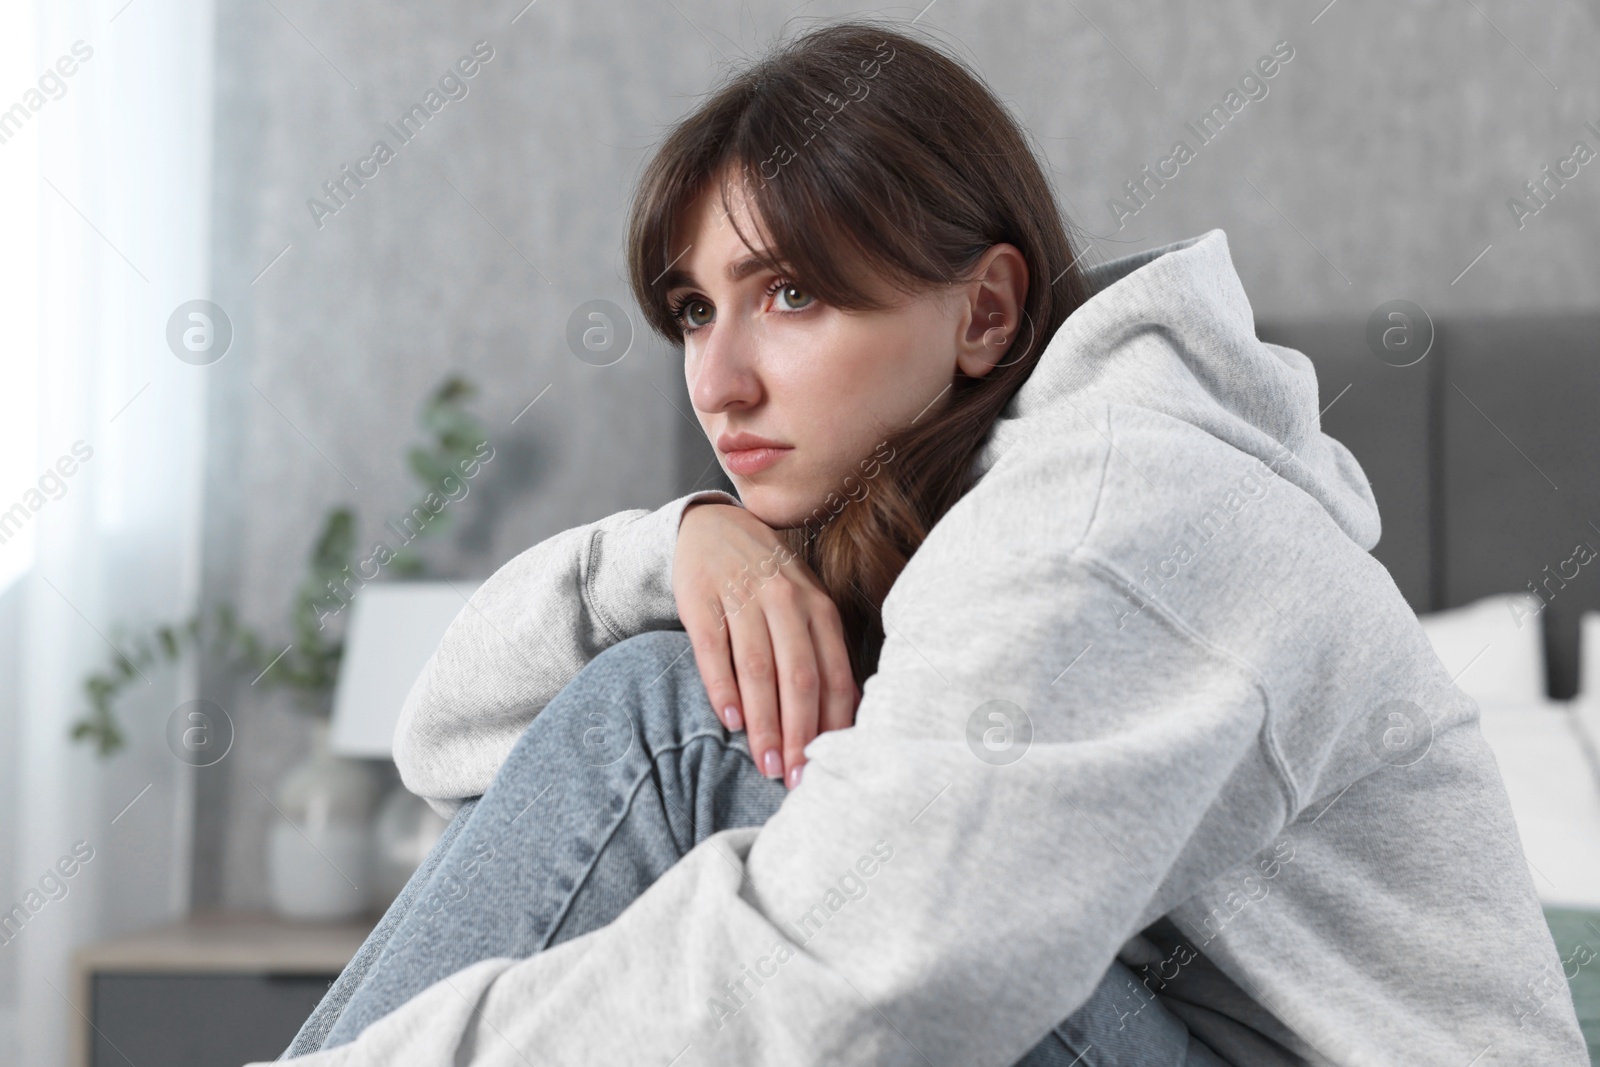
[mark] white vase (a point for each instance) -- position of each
(318, 865)
(403, 833)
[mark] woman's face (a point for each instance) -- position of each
(794, 395)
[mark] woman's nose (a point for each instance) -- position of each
(723, 371)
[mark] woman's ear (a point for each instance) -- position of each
(993, 301)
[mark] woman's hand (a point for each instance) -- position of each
(766, 637)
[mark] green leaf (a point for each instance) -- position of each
(310, 667)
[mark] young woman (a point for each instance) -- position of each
(1061, 713)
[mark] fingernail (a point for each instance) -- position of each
(794, 775)
(735, 720)
(773, 763)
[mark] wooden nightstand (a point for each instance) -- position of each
(222, 989)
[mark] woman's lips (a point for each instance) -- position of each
(748, 461)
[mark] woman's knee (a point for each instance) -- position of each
(653, 648)
(651, 668)
(645, 691)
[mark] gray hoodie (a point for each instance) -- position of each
(1144, 694)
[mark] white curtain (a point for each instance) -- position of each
(113, 166)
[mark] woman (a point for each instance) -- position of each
(1152, 764)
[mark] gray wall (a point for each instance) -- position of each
(1377, 166)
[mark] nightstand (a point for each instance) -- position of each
(217, 990)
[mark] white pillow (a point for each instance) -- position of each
(1493, 648)
(1589, 657)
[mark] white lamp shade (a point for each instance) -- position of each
(394, 627)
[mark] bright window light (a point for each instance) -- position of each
(19, 291)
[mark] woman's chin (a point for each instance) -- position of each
(773, 505)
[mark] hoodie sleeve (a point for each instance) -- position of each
(1040, 767)
(525, 634)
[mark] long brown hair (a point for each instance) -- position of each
(869, 153)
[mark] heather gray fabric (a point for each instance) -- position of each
(1145, 694)
(608, 787)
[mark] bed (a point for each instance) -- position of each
(1484, 457)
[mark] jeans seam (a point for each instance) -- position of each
(631, 793)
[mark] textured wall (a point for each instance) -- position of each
(1377, 165)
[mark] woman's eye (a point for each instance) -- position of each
(693, 309)
(795, 298)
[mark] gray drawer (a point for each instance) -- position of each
(197, 1020)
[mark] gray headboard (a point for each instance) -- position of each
(1484, 458)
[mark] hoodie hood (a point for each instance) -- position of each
(1178, 313)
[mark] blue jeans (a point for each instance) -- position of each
(624, 772)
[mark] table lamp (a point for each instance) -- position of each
(394, 627)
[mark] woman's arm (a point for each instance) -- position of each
(524, 634)
(923, 891)
(948, 883)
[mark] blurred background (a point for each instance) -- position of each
(241, 345)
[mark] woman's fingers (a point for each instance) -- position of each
(778, 658)
(799, 680)
(755, 669)
(839, 693)
(707, 627)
